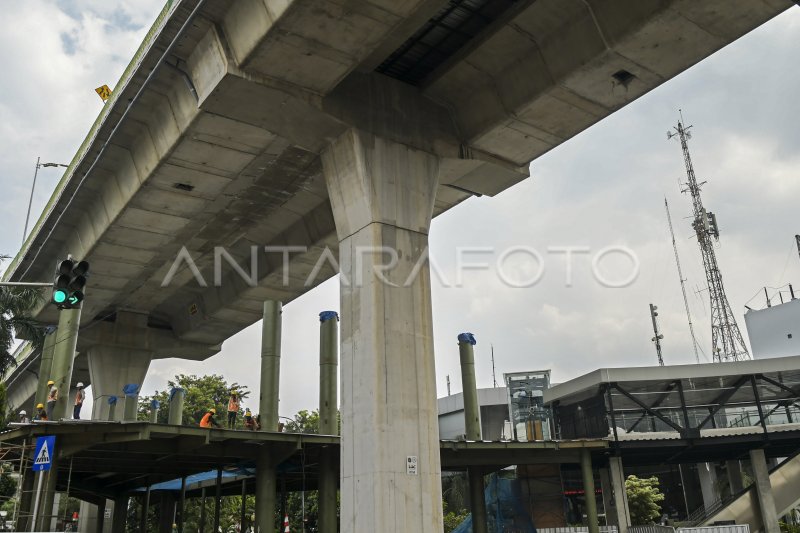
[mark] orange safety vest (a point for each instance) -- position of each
(206, 420)
(233, 405)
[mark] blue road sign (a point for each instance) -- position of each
(43, 456)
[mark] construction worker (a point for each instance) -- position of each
(249, 421)
(23, 417)
(52, 398)
(79, 397)
(233, 409)
(41, 414)
(208, 419)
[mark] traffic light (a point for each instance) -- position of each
(70, 279)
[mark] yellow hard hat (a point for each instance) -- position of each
(51, 382)
(212, 410)
(40, 406)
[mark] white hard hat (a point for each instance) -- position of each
(80, 384)
(23, 412)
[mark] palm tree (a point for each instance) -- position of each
(15, 305)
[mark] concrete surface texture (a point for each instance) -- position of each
(285, 123)
(382, 195)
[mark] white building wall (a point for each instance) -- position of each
(774, 331)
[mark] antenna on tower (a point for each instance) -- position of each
(494, 378)
(797, 238)
(657, 336)
(683, 282)
(727, 343)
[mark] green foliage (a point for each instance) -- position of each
(202, 393)
(15, 305)
(303, 422)
(787, 527)
(453, 519)
(644, 498)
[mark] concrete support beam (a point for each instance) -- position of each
(589, 491)
(735, 476)
(66, 338)
(615, 498)
(119, 354)
(708, 483)
(266, 491)
(472, 424)
(176, 397)
(111, 367)
(266, 480)
(328, 417)
(383, 195)
(766, 502)
(270, 365)
(120, 515)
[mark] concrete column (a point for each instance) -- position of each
(735, 476)
(328, 417)
(154, 406)
(131, 406)
(707, 473)
(766, 502)
(472, 425)
(270, 365)
(166, 513)
(111, 367)
(382, 194)
(48, 494)
(63, 358)
(119, 516)
(266, 480)
(175, 415)
(615, 498)
(589, 491)
(45, 368)
(266, 490)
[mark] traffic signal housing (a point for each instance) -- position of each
(69, 282)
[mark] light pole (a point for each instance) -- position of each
(33, 187)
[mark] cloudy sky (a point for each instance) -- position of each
(605, 187)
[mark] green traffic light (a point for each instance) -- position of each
(73, 299)
(59, 296)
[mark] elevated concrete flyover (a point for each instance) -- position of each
(335, 125)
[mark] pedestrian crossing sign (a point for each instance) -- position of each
(43, 454)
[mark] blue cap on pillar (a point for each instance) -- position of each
(131, 389)
(467, 337)
(112, 400)
(174, 391)
(328, 315)
(155, 404)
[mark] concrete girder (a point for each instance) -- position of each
(566, 53)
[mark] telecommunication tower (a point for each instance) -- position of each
(727, 343)
(657, 336)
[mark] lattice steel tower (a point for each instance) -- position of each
(726, 339)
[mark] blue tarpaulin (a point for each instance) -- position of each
(504, 509)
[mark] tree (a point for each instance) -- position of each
(644, 498)
(201, 393)
(453, 519)
(16, 303)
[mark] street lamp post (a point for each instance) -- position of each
(33, 187)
